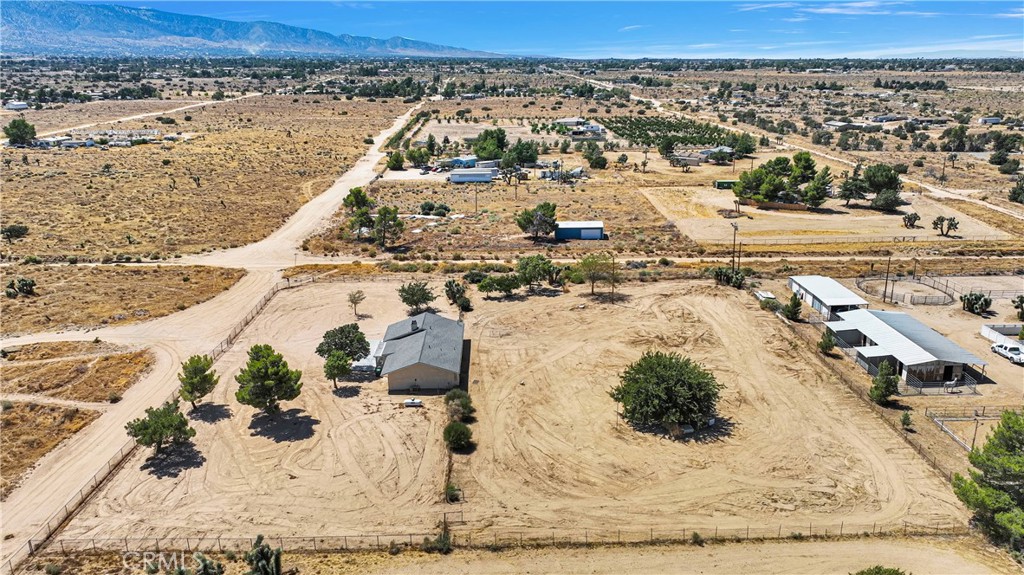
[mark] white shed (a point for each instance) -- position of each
(469, 175)
(825, 295)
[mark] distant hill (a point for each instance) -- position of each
(70, 28)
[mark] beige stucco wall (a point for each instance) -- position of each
(425, 376)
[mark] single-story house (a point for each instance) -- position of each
(687, 159)
(888, 118)
(570, 122)
(990, 120)
(937, 121)
(725, 149)
(463, 162)
(825, 295)
(488, 163)
(471, 175)
(423, 352)
(836, 125)
(593, 230)
(14, 105)
(918, 353)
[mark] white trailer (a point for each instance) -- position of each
(473, 175)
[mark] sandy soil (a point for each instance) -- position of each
(89, 377)
(334, 463)
(794, 446)
(58, 119)
(920, 556)
(970, 433)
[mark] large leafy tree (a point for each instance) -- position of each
(667, 389)
(995, 488)
(490, 144)
(854, 188)
(416, 295)
(595, 268)
(816, 192)
(387, 227)
(533, 269)
(357, 199)
(162, 425)
(538, 221)
(19, 132)
(266, 380)
(348, 339)
(804, 168)
(504, 283)
(197, 379)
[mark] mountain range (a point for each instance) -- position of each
(75, 29)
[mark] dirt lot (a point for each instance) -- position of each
(794, 446)
(922, 556)
(971, 432)
(30, 431)
(78, 297)
(334, 463)
(62, 117)
(90, 376)
(257, 160)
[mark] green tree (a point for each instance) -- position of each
(266, 380)
(667, 389)
(945, 225)
(416, 295)
(161, 425)
(976, 302)
(13, 232)
(218, 95)
(197, 379)
(745, 145)
(19, 132)
(418, 157)
(886, 200)
(1017, 191)
(595, 268)
(720, 157)
(347, 339)
(454, 291)
(1018, 304)
(905, 420)
(361, 220)
(458, 436)
(263, 560)
(853, 188)
(994, 490)
(879, 570)
(490, 144)
(533, 269)
(884, 385)
(396, 161)
(504, 283)
(538, 221)
(354, 299)
(792, 310)
(388, 227)
(910, 220)
(816, 192)
(337, 366)
(357, 199)
(804, 168)
(827, 342)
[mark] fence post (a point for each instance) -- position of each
(345, 541)
(841, 523)
(748, 532)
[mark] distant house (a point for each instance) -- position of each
(888, 118)
(938, 121)
(463, 162)
(918, 353)
(593, 230)
(12, 105)
(686, 159)
(725, 149)
(825, 295)
(570, 122)
(990, 120)
(836, 125)
(422, 353)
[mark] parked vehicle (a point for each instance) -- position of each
(412, 403)
(1009, 351)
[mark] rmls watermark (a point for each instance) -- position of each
(166, 561)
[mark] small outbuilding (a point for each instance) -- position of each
(473, 175)
(990, 120)
(570, 122)
(592, 230)
(825, 295)
(463, 162)
(14, 105)
(422, 353)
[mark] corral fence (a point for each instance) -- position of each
(955, 290)
(857, 240)
(902, 297)
(939, 415)
(493, 538)
(58, 519)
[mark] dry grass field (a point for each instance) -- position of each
(30, 431)
(77, 297)
(257, 160)
(88, 377)
(58, 117)
(964, 556)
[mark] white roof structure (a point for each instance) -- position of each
(828, 291)
(581, 225)
(901, 336)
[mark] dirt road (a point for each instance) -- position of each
(63, 472)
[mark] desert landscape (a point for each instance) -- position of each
(165, 217)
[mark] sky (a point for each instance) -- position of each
(616, 29)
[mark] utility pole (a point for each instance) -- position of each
(476, 199)
(739, 254)
(973, 439)
(885, 288)
(735, 228)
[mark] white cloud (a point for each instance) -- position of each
(703, 46)
(1017, 13)
(796, 19)
(631, 28)
(749, 7)
(737, 30)
(864, 8)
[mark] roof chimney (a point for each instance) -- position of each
(414, 325)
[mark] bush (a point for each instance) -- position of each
(771, 304)
(53, 569)
(667, 389)
(827, 343)
(458, 436)
(697, 539)
(442, 544)
(474, 276)
(791, 311)
(451, 493)
(918, 163)
(884, 385)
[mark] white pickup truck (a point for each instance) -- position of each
(1010, 351)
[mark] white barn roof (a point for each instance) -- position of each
(828, 291)
(901, 336)
(581, 225)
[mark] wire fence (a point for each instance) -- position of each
(62, 515)
(954, 289)
(864, 284)
(861, 240)
(970, 412)
(493, 538)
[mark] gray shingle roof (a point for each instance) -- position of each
(436, 341)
